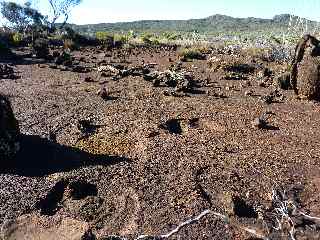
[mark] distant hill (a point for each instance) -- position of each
(213, 25)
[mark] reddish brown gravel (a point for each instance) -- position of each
(151, 161)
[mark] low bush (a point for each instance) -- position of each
(191, 53)
(17, 39)
(105, 39)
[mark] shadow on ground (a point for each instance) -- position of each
(39, 157)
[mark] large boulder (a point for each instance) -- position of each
(9, 130)
(305, 74)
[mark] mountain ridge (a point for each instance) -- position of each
(213, 24)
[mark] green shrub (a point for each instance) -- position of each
(121, 38)
(17, 39)
(105, 39)
(171, 36)
(191, 53)
(103, 36)
(146, 38)
(150, 39)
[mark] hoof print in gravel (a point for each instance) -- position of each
(80, 189)
(50, 204)
(180, 126)
(194, 122)
(173, 126)
(86, 127)
(153, 134)
(89, 209)
(243, 210)
(88, 236)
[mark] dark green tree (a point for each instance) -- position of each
(22, 18)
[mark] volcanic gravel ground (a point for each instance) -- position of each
(154, 161)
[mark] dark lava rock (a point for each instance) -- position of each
(9, 131)
(6, 71)
(88, 79)
(80, 69)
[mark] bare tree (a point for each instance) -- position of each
(62, 8)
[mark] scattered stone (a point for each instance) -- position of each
(259, 123)
(262, 83)
(262, 122)
(42, 66)
(64, 59)
(283, 81)
(273, 96)
(9, 131)
(181, 82)
(103, 93)
(180, 126)
(235, 76)
(80, 69)
(108, 68)
(240, 68)
(151, 76)
(88, 79)
(266, 72)
(53, 66)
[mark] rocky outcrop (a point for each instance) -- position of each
(305, 74)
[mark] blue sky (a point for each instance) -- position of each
(99, 11)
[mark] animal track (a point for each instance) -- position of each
(180, 126)
(63, 189)
(50, 204)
